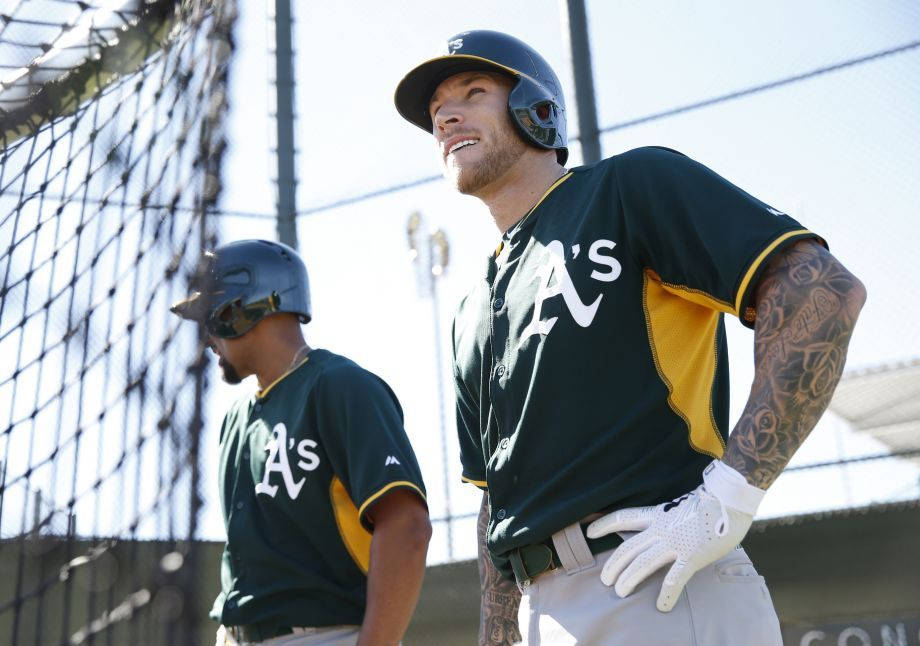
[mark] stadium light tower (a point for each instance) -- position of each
(430, 254)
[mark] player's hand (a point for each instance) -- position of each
(690, 533)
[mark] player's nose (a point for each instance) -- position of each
(446, 116)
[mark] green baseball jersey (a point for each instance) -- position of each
(590, 359)
(300, 464)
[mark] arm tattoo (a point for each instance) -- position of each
(807, 304)
(500, 597)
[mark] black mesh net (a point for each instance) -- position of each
(110, 152)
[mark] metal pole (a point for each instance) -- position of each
(575, 31)
(37, 512)
(284, 118)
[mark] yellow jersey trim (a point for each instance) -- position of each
(752, 269)
(355, 538)
(262, 393)
(539, 202)
(683, 340)
(398, 483)
(479, 483)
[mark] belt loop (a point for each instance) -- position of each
(572, 548)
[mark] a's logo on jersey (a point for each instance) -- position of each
(553, 279)
(390, 460)
(277, 461)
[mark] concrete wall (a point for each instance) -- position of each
(852, 576)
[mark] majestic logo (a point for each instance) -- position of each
(390, 460)
(277, 461)
(554, 279)
(774, 211)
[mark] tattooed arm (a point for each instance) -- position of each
(807, 304)
(500, 597)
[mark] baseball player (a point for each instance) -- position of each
(322, 497)
(591, 365)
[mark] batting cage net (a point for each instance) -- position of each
(110, 152)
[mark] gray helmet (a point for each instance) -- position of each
(536, 102)
(240, 283)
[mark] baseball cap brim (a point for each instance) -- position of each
(413, 93)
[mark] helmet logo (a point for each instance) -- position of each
(454, 45)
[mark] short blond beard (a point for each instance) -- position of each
(509, 147)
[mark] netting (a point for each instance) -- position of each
(110, 152)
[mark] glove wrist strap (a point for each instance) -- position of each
(732, 488)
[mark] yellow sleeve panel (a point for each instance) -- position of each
(682, 338)
(356, 539)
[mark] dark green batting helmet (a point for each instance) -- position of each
(240, 283)
(536, 102)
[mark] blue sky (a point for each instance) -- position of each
(837, 151)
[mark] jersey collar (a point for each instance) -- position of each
(262, 394)
(515, 229)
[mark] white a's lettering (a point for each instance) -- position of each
(278, 461)
(303, 450)
(554, 271)
(594, 255)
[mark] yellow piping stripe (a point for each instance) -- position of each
(540, 201)
(749, 274)
(398, 483)
(470, 57)
(682, 340)
(478, 483)
(355, 538)
(260, 394)
(694, 295)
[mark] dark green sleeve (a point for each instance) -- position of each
(468, 433)
(699, 234)
(361, 425)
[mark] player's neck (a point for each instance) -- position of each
(513, 195)
(279, 353)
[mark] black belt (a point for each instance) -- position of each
(257, 632)
(530, 561)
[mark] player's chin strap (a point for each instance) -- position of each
(731, 489)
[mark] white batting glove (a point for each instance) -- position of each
(692, 532)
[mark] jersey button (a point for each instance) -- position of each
(500, 514)
(498, 302)
(504, 443)
(239, 505)
(500, 370)
(257, 407)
